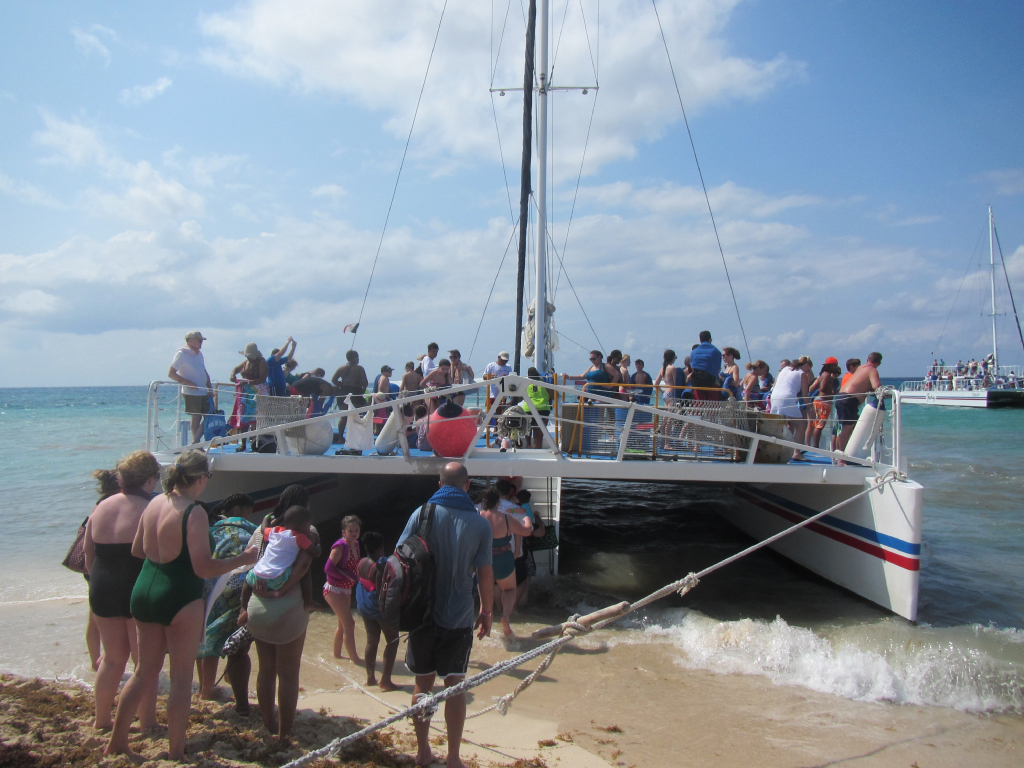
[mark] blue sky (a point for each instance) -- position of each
(228, 167)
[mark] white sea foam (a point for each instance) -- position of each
(973, 669)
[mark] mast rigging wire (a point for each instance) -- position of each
(970, 261)
(575, 195)
(405, 152)
(573, 287)
(1009, 290)
(703, 185)
(515, 228)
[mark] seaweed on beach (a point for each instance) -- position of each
(45, 725)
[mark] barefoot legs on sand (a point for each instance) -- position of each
(279, 668)
(454, 717)
(345, 635)
(114, 635)
(181, 640)
(92, 641)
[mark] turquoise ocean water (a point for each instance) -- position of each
(765, 617)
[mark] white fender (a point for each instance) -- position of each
(866, 432)
(387, 440)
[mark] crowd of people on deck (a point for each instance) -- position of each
(972, 375)
(804, 398)
(278, 376)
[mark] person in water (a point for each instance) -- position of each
(503, 526)
(342, 577)
(460, 540)
(167, 600)
(371, 571)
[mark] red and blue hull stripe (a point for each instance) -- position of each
(891, 549)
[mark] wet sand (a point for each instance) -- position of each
(615, 698)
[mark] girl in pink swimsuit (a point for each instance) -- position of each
(342, 575)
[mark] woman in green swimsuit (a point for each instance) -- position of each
(167, 602)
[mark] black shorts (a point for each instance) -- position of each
(197, 404)
(522, 569)
(704, 379)
(436, 650)
(846, 408)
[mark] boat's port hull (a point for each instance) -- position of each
(992, 398)
(871, 546)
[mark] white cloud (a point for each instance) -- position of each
(31, 302)
(329, 190)
(89, 43)
(1006, 181)
(73, 143)
(670, 198)
(143, 93)
(914, 220)
(141, 194)
(27, 193)
(203, 169)
(376, 55)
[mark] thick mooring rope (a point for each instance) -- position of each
(571, 629)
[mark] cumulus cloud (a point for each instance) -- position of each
(329, 190)
(32, 302)
(911, 221)
(143, 93)
(376, 54)
(89, 44)
(1005, 181)
(27, 193)
(135, 192)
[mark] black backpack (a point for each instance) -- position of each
(406, 591)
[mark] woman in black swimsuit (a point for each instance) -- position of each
(112, 574)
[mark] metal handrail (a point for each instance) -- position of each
(511, 385)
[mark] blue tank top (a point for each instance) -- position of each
(594, 378)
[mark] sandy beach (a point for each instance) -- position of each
(603, 702)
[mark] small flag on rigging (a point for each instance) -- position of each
(351, 326)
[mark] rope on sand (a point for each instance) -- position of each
(569, 630)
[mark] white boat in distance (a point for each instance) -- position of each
(869, 543)
(988, 386)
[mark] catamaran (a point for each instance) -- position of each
(989, 385)
(869, 542)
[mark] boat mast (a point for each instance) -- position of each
(525, 176)
(541, 356)
(992, 265)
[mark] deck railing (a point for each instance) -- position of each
(581, 425)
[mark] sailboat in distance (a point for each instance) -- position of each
(975, 385)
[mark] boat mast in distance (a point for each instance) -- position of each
(992, 270)
(524, 179)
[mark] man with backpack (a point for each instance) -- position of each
(459, 541)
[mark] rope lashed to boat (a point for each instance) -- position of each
(569, 631)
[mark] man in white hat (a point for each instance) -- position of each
(189, 369)
(496, 371)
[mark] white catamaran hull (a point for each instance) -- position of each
(871, 546)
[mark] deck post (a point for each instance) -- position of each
(624, 437)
